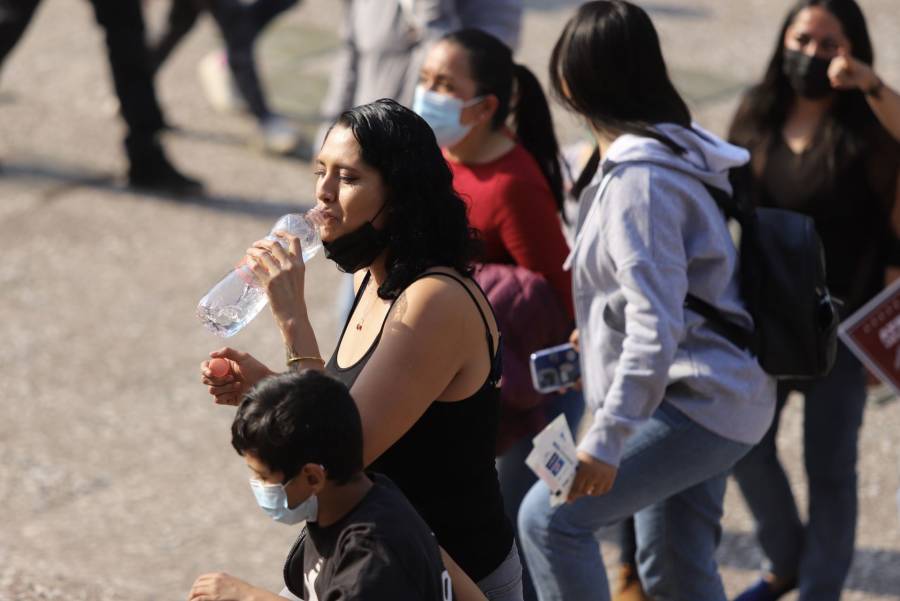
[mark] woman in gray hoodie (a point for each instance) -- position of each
(674, 403)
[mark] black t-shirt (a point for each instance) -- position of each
(381, 550)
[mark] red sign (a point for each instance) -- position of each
(873, 334)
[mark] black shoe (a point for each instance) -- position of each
(161, 176)
(763, 591)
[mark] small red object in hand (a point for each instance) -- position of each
(219, 367)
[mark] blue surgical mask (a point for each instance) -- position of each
(442, 113)
(272, 498)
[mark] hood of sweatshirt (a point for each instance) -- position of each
(707, 157)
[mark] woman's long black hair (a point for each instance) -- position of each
(607, 66)
(425, 220)
(765, 107)
(494, 72)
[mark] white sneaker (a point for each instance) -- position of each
(278, 135)
(218, 85)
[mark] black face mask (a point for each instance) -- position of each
(356, 249)
(808, 75)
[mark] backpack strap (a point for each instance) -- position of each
(295, 558)
(725, 201)
(737, 335)
(734, 208)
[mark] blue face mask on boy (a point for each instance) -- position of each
(442, 113)
(272, 498)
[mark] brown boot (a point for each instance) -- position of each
(627, 585)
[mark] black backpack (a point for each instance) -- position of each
(782, 281)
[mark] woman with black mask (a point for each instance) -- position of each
(419, 351)
(823, 131)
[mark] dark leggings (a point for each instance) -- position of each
(123, 24)
(239, 25)
(627, 542)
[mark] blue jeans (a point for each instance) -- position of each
(672, 478)
(505, 582)
(817, 555)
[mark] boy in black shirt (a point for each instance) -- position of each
(301, 436)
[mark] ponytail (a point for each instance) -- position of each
(534, 129)
(494, 72)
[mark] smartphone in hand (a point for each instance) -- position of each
(555, 368)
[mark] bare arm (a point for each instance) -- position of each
(426, 343)
(847, 73)
(219, 586)
(424, 346)
(464, 588)
(283, 274)
(892, 272)
(886, 107)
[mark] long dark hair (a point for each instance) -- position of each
(607, 65)
(494, 72)
(766, 105)
(425, 220)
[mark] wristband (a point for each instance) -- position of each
(875, 90)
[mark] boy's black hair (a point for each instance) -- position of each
(289, 420)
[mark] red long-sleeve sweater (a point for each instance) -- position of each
(510, 203)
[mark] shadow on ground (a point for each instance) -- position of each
(739, 550)
(64, 179)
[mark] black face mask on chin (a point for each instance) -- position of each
(357, 249)
(808, 75)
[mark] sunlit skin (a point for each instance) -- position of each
(446, 71)
(350, 191)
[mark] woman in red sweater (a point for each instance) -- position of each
(492, 121)
(511, 180)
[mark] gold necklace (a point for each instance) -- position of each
(359, 324)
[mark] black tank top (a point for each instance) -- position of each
(444, 464)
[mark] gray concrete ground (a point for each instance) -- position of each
(117, 479)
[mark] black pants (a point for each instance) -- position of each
(240, 25)
(123, 23)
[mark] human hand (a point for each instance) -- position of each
(219, 586)
(573, 340)
(282, 273)
(848, 73)
(592, 477)
(244, 372)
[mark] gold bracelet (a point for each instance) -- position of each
(297, 358)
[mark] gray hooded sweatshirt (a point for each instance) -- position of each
(648, 232)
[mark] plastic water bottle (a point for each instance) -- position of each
(238, 298)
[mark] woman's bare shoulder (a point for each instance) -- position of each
(439, 287)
